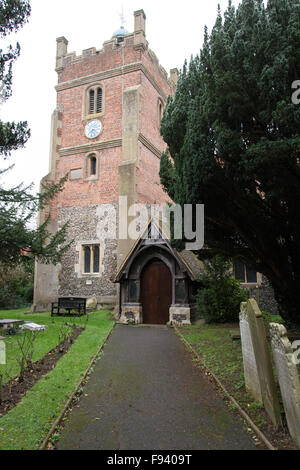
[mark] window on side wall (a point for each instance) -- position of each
(92, 166)
(245, 274)
(160, 111)
(91, 259)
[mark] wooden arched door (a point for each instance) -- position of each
(156, 293)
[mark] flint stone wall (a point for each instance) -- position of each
(83, 230)
(264, 296)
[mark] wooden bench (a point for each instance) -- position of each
(68, 304)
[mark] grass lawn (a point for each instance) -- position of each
(45, 341)
(26, 426)
(223, 357)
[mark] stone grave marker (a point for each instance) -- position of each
(250, 367)
(2, 351)
(259, 376)
(288, 378)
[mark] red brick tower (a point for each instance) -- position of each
(105, 136)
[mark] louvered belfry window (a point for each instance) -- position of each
(95, 100)
(99, 100)
(92, 101)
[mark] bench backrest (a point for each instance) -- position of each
(71, 302)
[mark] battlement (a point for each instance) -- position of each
(135, 41)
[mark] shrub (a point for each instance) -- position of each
(16, 286)
(220, 297)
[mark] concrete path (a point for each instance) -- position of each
(146, 394)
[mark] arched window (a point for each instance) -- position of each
(92, 166)
(94, 100)
(87, 259)
(160, 111)
(91, 259)
(96, 252)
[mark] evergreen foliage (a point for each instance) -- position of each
(220, 298)
(16, 285)
(233, 136)
(18, 240)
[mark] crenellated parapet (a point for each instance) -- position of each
(117, 45)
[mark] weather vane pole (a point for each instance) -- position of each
(122, 17)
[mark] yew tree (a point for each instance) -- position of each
(233, 138)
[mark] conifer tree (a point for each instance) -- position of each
(232, 131)
(18, 205)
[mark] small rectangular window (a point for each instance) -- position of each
(87, 259)
(96, 251)
(244, 273)
(251, 274)
(239, 271)
(91, 259)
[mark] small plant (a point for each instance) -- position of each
(63, 334)
(26, 344)
(239, 385)
(255, 406)
(220, 297)
(55, 437)
(233, 407)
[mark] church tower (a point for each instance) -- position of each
(105, 136)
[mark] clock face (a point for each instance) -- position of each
(93, 129)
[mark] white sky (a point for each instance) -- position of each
(174, 32)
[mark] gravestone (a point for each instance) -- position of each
(250, 367)
(258, 369)
(91, 304)
(288, 378)
(2, 351)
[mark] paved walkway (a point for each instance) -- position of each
(146, 394)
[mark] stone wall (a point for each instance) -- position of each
(258, 370)
(264, 296)
(72, 281)
(288, 377)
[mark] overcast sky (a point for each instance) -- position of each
(174, 31)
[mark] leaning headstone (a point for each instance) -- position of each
(288, 378)
(252, 381)
(259, 376)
